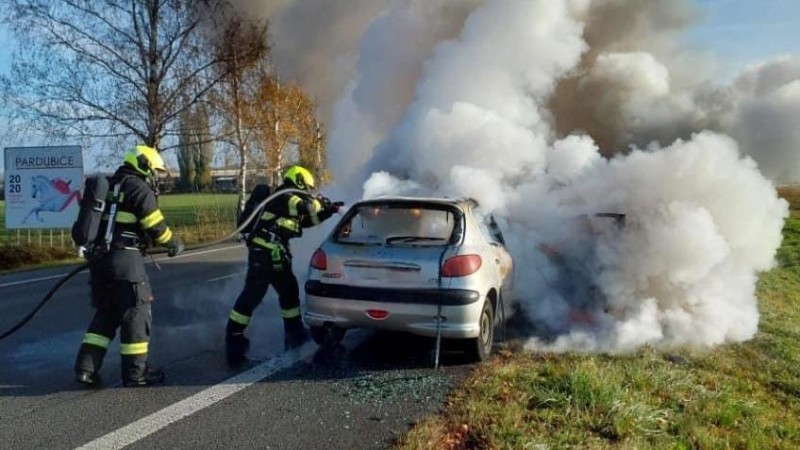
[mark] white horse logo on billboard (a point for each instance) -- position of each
(52, 195)
(43, 186)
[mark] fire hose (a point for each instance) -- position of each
(256, 213)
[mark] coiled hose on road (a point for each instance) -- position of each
(256, 213)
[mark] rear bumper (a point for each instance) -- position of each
(449, 297)
(412, 311)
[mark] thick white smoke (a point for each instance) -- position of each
(637, 85)
(377, 97)
(660, 244)
(766, 117)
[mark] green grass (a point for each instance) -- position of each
(200, 217)
(744, 396)
(192, 209)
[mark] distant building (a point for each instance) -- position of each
(222, 180)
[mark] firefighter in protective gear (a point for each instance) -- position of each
(270, 262)
(120, 289)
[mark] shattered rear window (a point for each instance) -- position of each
(398, 224)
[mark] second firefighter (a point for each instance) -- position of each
(269, 261)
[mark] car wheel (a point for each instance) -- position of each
(479, 348)
(327, 336)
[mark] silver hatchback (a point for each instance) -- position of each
(428, 266)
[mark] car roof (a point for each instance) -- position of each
(458, 202)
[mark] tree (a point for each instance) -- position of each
(204, 151)
(195, 149)
(110, 68)
(289, 121)
(244, 52)
(185, 153)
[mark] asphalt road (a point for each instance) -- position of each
(360, 396)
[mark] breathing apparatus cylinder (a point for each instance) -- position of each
(86, 228)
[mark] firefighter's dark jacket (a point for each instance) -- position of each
(285, 217)
(139, 224)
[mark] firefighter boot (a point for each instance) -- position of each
(86, 377)
(236, 346)
(150, 377)
(294, 334)
(88, 363)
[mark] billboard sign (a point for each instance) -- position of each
(43, 186)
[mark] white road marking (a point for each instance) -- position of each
(225, 277)
(148, 425)
(53, 277)
(33, 280)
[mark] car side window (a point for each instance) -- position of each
(494, 229)
(490, 229)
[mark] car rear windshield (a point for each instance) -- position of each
(398, 224)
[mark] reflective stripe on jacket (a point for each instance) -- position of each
(285, 217)
(138, 216)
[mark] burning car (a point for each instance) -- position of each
(428, 266)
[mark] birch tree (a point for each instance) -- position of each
(289, 120)
(244, 51)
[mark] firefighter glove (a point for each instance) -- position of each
(175, 247)
(326, 202)
(335, 206)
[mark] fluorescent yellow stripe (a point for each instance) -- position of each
(125, 217)
(152, 219)
(293, 202)
(267, 216)
(96, 340)
(289, 224)
(239, 318)
(137, 348)
(290, 313)
(265, 244)
(165, 237)
(316, 207)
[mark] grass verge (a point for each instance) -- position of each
(744, 395)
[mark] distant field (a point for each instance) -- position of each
(195, 217)
(191, 209)
(181, 210)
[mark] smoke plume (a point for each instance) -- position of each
(635, 193)
(637, 85)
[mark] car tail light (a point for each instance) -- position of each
(319, 260)
(377, 314)
(461, 266)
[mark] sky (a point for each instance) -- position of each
(736, 32)
(742, 32)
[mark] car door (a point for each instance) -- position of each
(500, 257)
(506, 261)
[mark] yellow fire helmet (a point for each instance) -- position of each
(146, 160)
(300, 177)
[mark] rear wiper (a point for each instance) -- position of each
(410, 239)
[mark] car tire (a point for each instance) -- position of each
(479, 348)
(327, 336)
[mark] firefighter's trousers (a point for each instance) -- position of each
(123, 305)
(264, 270)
